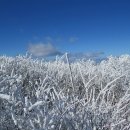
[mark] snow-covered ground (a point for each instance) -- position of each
(61, 95)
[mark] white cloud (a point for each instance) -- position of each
(95, 54)
(73, 39)
(92, 55)
(41, 49)
(48, 38)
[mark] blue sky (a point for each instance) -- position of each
(58, 26)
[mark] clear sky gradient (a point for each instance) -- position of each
(76, 26)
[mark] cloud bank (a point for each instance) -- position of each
(41, 49)
(98, 56)
(87, 55)
(47, 50)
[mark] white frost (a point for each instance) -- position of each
(5, 96)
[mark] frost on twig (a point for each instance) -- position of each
(5, 96)
(64, 95)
